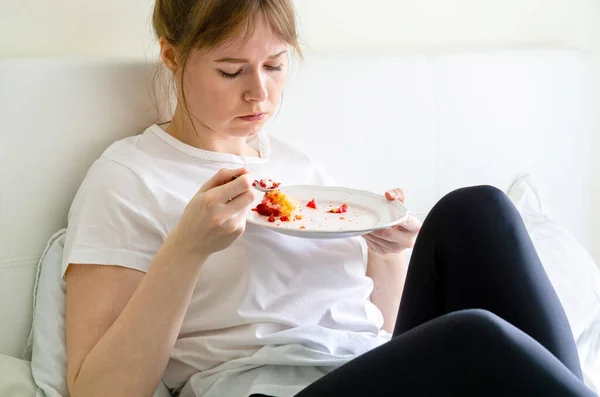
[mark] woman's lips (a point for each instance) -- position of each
(253, 117)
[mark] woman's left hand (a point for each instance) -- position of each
(395, 239)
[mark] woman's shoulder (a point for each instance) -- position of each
(126, 150)
(138, 154)
(117, 166)
(141, 168)
(122, 166)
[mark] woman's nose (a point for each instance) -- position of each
(257, 89)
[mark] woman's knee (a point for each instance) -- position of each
(478, 327)
(475, 202)
(484, 194)
(484, 191)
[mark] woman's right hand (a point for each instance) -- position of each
(216, 216)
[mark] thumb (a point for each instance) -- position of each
(410, 224)
(395, 194)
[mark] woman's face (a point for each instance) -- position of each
(233, 89)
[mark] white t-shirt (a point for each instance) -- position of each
(270, 314)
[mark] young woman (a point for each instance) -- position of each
(166, 280)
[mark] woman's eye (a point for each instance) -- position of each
(269, 68)
(229, 75)
(277, 68)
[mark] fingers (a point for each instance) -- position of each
(382, 244)
(395, 194)
(222, 188)
(234, 225)
(389, 235)
(241, 202)
(232, 189)
(410, 224)
(222, 177)
(398, 234)
(375, 246)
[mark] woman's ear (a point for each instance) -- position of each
(168, 55)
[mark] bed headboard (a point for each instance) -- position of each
(426, 122)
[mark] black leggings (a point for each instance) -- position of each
(478, 315)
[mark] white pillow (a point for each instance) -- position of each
(46, 345)
(572, 271)
(15, 377)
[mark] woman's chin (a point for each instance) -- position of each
(248, 131)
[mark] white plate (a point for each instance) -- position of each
(366, 212)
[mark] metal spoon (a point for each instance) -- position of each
(257, 186)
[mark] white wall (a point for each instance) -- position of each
(121, 28)
(384, 25)
(443, 24)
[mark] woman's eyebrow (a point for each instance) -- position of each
(239, 60)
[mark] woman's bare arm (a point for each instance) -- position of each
(122, 324)
(388, 273)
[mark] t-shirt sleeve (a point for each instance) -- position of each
(113, 220)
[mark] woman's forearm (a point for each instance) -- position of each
(388, 273)
(130, 358)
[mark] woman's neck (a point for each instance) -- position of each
(202, 137)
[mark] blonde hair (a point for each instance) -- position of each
(191, 25)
